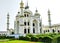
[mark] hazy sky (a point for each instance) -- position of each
(12, 6)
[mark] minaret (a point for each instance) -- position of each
(27, 7)
(21, 7)
(41, 25)
(49, 20)
(7, 23)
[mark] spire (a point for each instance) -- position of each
(7, 14)
(21, 7)
(26, 7)
(49, 19)
(36, 13)
(36, 10)
(48, 11)
(41, 25)
(21, 4)
(7, 21)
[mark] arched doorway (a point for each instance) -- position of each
(35, 26)
(53, 31)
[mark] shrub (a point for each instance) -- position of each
(27, 38)
(47, 40)
(2, 37)
(10, 37)
(58, 39)
(30, 35)
(40, 39)
(21, 38)
(33, 38)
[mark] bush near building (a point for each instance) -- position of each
(10, 37)
(21, 37)
(34, 38)
(2, 37)
(58, 40)
(45, 38)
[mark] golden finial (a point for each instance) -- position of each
(21, 4)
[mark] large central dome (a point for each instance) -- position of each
(27, 9)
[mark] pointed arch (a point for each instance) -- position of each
(33, 30)
(25, 31)
(28, 30)
(35, 26)
(34, 22)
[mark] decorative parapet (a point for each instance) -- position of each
(21, 24)
(21, 16)
(27, 12)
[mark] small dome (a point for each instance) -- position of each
(27, 11)
(36, 13)
(17, 15)
(18, 12)
(27, 7)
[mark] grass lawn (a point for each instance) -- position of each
(18, 41)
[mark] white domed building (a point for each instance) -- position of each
(26, 22)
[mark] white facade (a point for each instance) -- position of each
(26, 22)
(54, 29)
(3, 33)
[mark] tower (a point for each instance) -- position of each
(7, 23)
(21, 7)
(49, 20)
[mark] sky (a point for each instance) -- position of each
(13, 6)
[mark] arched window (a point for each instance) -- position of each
(40, 30)
(12, 32)
(28, 30)
(53, 30)
(33, 30)
(25, 15)
(33, 24)
(44, 31)
(24, 30)
(58, 31)
(24, 23)
(17, 21)
(28, 23)
(48, 30)
(40, 24)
